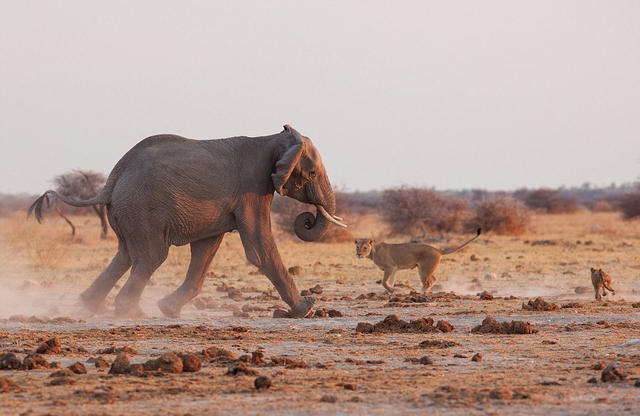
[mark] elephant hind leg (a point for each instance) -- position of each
(93, 298)
(145, 260)
(202, 253)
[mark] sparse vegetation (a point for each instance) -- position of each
(404, 208)
(629, 205)
(500, 215)
(550, 201)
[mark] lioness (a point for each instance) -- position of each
(601, 280)
(394, 257)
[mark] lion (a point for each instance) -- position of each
(393, 257)
(601, 280)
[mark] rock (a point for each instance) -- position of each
(65, 372)
(190, 362)
(592, 380)
(78, 368)
(506, 275)
(334, 313)
(317, 289)
(445, 326)
(491, 326)
(295, 270)
(117, 350)
(486, 295)
(328, 398)
(612, 373)
(437, 344)
(235, 294)
(62, 381)
(10, 361)
(120, 364)
(490, 276)
(35, 362)
(477, 358)
(474, 258)
(262, 383)
(51, 346)
(426, 360)
(582, 290)
(304, 293)
(320, 313)
(281, 313)
(241, 369)
(364, 328)
(218, 354)
(539, 304)
(168, 362)
(637, 383)
(101, 362)
(257, 357)
(200, 304)
(239, 313)
(135, 369)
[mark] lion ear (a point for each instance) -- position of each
(369, 241)
(355, 241)
(593, 270)
(288, 161)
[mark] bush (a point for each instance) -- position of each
(602, 206)
(404, 208)
(550, 201)
(501, 215)
(287, 209)
(629, 205)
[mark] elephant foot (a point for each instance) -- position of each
(91, 305)
(168, 309)
(303, 307)
(129, 311)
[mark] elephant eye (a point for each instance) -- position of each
(312, 174)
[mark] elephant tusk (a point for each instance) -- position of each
(336, 217)
(329, 217)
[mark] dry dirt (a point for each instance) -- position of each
(321, 365)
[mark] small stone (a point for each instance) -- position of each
(364, 328)
(501, 394)
(6, 385)
(598, 366)
(317, 289)
(120, 364)
(445, 326)
(474, 258)
(62, 381)
(350, 387)
(135, 369)
(328, 398)
(320, 313)
(592, 380)
(51, 346)
(190, 363)
(426, 360)
(10, 361)
(582, 290)
(200, 304)
(262, 382)
(613, 372)
(235, 294)
(65, 372)
(334, 313)
(281, 313)
(78, 368)
(477, 358)
(168, 362)
(257, 357)
(241, 368)
(486, 295)
(101, 362)
(35, 361)
(305, 292)
(637, 383)
(218, 354)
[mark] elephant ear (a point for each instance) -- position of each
(288, 161)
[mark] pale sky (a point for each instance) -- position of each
(494, 95)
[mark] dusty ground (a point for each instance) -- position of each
(344, 372)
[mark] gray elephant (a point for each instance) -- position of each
(169, 190)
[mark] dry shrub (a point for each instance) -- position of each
(287, 209)
(550, 201)
(602, 206)
(629, 205)
(501, 215)
(403, 208)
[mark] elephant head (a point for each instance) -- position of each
(300, 174)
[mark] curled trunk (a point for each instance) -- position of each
(309, 227)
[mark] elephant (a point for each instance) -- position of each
(169, 190)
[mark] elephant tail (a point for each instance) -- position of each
(36, 208)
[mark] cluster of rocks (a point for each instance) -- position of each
(539, 304)
(393, 324)
(169, 362)
(491, 326)
(316, 290)
(319, 313)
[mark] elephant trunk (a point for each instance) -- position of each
(309, 227)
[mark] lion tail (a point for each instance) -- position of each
(464, 245)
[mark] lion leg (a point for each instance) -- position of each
(388, 275)
(597, 290)
(426, 276)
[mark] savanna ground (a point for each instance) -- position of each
(41, 273)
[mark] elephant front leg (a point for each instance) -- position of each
(261, 251)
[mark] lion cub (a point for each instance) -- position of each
(601, 280)
(393, 257)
